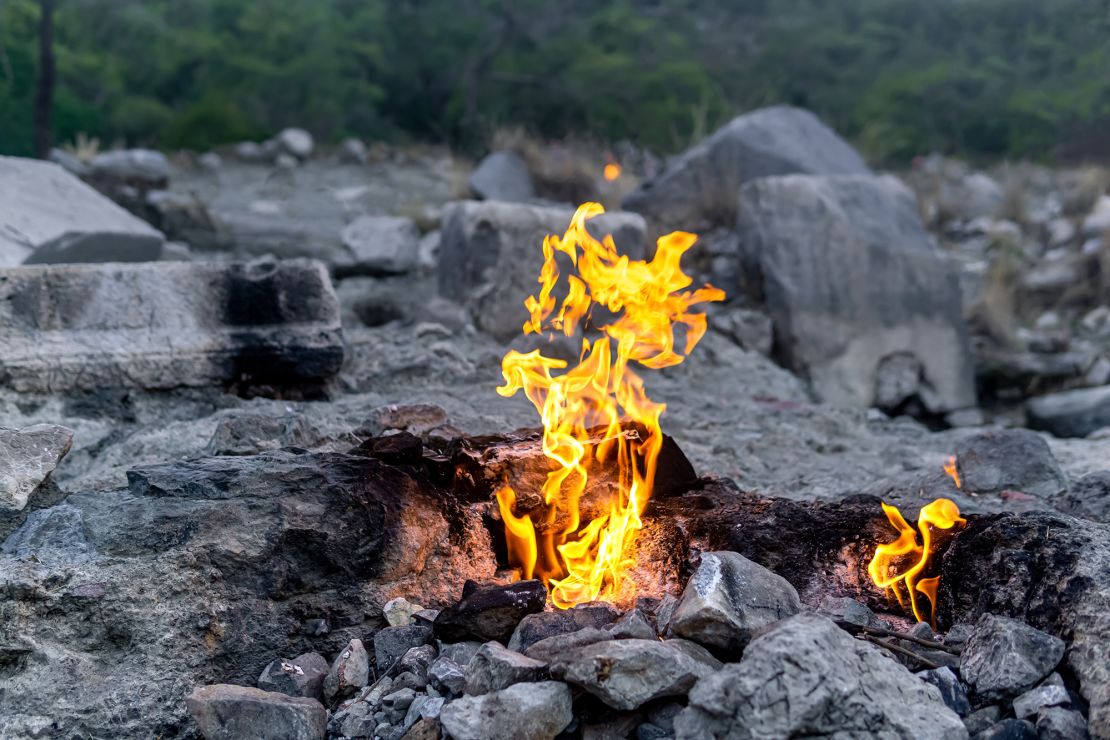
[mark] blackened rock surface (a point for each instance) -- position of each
(490, 612)
(55, 536)
(301, 676)
(226, 712)
(536, 711)
(1047, 570)
(402, 448)
(249, 434)
(27, 457)
(728, 599)
(951, 690)
(167, 324)
(491, 252)
(626, 674)
(1087, 497)
(850, 279)
(1074, 413)
(536, 627)
(391, 644)
(1009, 459)
(698, 188)
(808, 678)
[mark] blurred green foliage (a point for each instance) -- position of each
(900, 77)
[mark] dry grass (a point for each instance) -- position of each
(995, 314)
(83, 147)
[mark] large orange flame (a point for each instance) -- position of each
(647, 303)
(887, 568)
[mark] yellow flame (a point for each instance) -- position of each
(612, 171)
(950, 468)
(647, 301)
(886, 567)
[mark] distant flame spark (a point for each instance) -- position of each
(950, 468)
(646, 299)
(612, 171)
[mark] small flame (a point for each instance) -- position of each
(612, 171)
(885, 568)
(950, 468)
(646, 299)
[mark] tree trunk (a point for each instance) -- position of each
(44, 98)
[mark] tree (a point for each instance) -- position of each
(44, 97)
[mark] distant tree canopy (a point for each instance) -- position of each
(900, 77)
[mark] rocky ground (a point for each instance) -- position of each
(192, 494)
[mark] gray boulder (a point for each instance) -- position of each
(249, 151)
(69, 162)
(698, 188)
(296, 142)
(1088, 497)
(808, 678)
(728, 599)
(247, 233)
(48, 215)
(1058, 723)
(381, 245)
(168, 324)
(550, 648)
(540, 626)
(1009, 459)
(951, 690)
(494, 668)
(863, 304)
(144, 168)
(502, 176)
(352, 151)
(490, 255)
(227, 712)
(27, 457)
(626, 674)
(1074, 413)
(1048, 694)
(249, 434)
(301, 676)
(391, 644)
(530, 711)
(1004, 657)
(349, 672)
(53, 536)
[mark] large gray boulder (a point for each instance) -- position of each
(697, 190)
(728, 599)
(1004, 657)
(48, 215)
(27, 456)
(1009, 459)
(863, 304)
(227, 712)
(144, 168)
(491, 252)
(536, 711)
(381, 245)
(502, 176)
(1074, 413)
(808, 678)
(168, 324)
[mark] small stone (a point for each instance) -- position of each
(352, 151)
(400, 699)
(502, 176)
(491, 612)
(1044, 696)
(398, 612)
(982, 719)
(447, 676)
(316, 627)
(1009, 459)
(381, 245)
(460, 652)
(538, 711)
(536, 627)
(301, 676)
(951, 690)
(296, 142)
(348, 673)
(210, 161)
(417, 659)
(358, 721)
(550, 648)
(425, 617)
(378, 691)
(648, 731)
(1004, 657)
(844, 609)
(728, 599)
(226, 712)
(626, 674)
(423, 707)
(494, 668)
(425, 729)
(410, 680)
(1009, 729)
(391, 643)
(27, 457)
(633, 625)
(1058, 723)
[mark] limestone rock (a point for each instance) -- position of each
(536, 627)
(728, 599)
(1009, 459)
(226, 712)
(1057, 723)
(296, 142)
(349, 672)
(391, 644)
(808, 678)
(494, 668)
(502, 176)
(852, 280)
(1004, 657)
(398, 612)
(1035, 700)
(490, 612)
(531, 711)
(144, 168)
(626, 674)
(1074, 413)
(381, 245)
(27, 457)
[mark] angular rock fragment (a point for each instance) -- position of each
(249, 434)
(89, 228)
(1057, 723)
(167, 324)
(1009, 459)
(494, 668)
(1004, 657)
(53, 537)
(301, 676)
(1087, 497)
(728, 598)
(398, 612)
(626, 674)
(536, 627)
(381, 245)
(806, 678)
(295, 142)
(951, 690)
(490, 253)
(537, 711)
(391, 644)
(27, 457)
(633, 625)
(1035, 700)
(502, 176)
(549, 648)
(851, 279)
(141, 168)
(1074, 413)
(226, 712)
(349, 672)
(698, 188)
(490, 612)
(447, 676)
(1009, 729)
